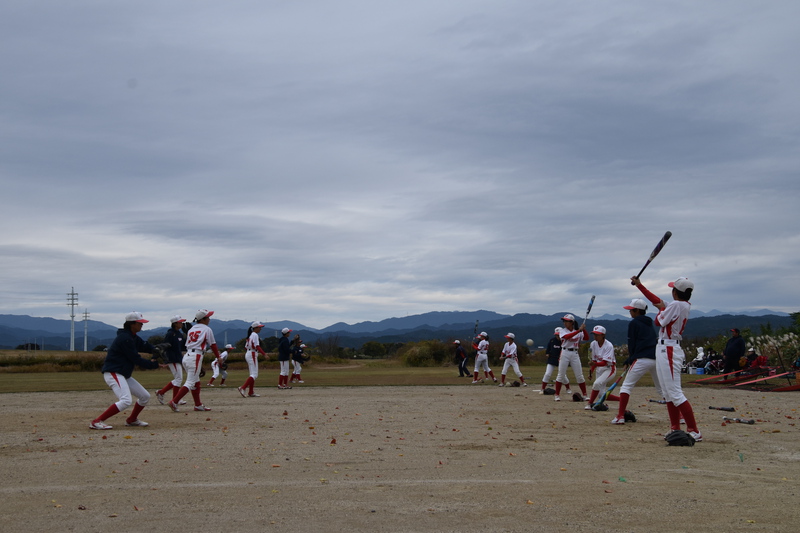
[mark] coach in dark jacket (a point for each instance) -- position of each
(734, 350)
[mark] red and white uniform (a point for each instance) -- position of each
(215, 366)
(570, 340)
(605, 364)
(512, 360)
(198, 340)
(253, 347)
(482, 357)
(669, 354)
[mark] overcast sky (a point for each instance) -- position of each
(321, 161)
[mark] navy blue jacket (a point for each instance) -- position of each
(284, 349)
(123, 354)
(642, 339)
(553, 350)
(177, 344)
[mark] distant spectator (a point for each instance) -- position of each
(734, 351)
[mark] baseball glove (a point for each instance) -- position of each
(679, 438)
(515, 384)
(225, 367)
(549, 391)
(600, 407)
(576, 397)
(630, 417)
(202, 372)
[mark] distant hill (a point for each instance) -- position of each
(53, 334)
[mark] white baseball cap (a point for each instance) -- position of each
(302, 345)
(483, 334)
(229, 346)
(203, 313)
(557, 331)
(177, 318)
(599, 330)
(256, 324)
(636, 303)
(568, 317)
(456, 342)
(681, 284)
(510, 336)
(286, 330)
(135, 316)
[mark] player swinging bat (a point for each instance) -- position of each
(655, 252)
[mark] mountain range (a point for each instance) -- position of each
(54, 334)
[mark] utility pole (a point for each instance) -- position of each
(72, 301)
(85, 330)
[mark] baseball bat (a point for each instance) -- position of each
(738, 420)
(729, 409)
(662, 402)
(655, 252)
(611, 388)
(589, 309)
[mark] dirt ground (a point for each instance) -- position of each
(448, 458)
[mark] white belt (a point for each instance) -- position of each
(669, 342)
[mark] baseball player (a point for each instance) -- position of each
(570, 340)
(298, 358)
(482, 358)
(253, 348)
(553, 352)
(642, 340)
(509, 353)
(603, 359)
(122, 357)
(284, 354)
(671, 320)
(198, 339)
(461, 359)
(218, 370)
(176, 338)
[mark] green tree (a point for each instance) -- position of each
(373, 349)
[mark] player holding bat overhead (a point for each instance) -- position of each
(570, 340)
(671, 320)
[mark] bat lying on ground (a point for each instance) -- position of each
(655, 252)
(738, 420)
(729, 409)
(662, 402)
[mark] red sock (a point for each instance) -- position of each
(211, 381)
(196, 395)
(502, 378)
(222, 382)
(108, 413)
(544, 385)
(558, 387)
(687, 412)
(166, 388)
(583, 388)
(180, 394)
(135, 413)
(522, 379)
(248, 384)
(674, 416)
(593, 397)
(623, 404)
(475, 378)
(612, 398)
(492, 375)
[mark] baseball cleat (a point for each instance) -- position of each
(588, 407)
(201, 407)
(696, 436)
(99, 425)
(618, 420)
(568, 392)
(502, 385)
(475, 381)
(242, 392)
(160, 398)
(524, 384)
(254, 395)
(137, 423)
(173, 406)
(557, 398)
(182, 402)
